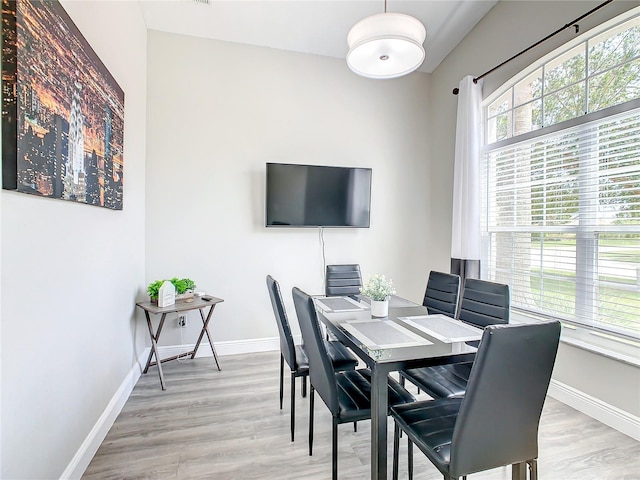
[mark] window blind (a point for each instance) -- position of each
(561, 222)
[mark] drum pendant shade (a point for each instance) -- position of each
(386, 45)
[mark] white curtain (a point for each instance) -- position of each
(465, 233)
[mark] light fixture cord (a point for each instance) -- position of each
(385, 6)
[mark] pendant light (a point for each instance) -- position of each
(386, 45)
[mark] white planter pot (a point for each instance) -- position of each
(379, 308)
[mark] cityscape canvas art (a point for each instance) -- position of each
(62, 111)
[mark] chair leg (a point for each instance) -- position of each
(304, 385)
(410, 457)
(355, 427)
(281, 380)
(396, 447)
(311, 397)
(334, 450)
(402, 380)
(293, 405)
(533, 468)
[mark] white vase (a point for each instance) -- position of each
(379, 308)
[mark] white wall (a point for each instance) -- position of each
(70, 276)
(217, 112)
(506, 30)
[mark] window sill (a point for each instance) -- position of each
(610, 346)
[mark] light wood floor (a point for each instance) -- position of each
(228, 425)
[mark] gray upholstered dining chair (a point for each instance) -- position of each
(343, 280)
(442, 293)
(483, 303)
(295, 355)
(496, 422)
(346, 394)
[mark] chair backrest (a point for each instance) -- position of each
(441, 296)
(343, 280)
(498, 420)
(287, 347)
(321, 371)
(484, 303)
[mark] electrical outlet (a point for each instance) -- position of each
(182, 321)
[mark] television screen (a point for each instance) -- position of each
(317, 196)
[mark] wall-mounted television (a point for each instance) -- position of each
(317, 196)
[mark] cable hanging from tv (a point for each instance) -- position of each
(571, 24)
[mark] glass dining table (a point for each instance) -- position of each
(407, 338)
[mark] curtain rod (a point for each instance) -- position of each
(573, 23)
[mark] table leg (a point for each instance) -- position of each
(519, 471)
(154, 347)
(205, 329)
(379, 408)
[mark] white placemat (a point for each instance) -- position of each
(338, 304)
(445, 329)
(377, 334)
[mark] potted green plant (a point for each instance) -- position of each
(184, 288)
(153, 288)
(379, 290)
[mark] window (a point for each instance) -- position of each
(597, 73)
(561, 183)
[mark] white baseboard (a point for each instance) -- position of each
(90, 446)
(234, 347)
(603, 412)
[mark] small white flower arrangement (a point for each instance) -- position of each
(378, 288)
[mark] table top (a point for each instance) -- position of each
(408, 333)
(180, 306)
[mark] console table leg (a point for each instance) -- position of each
(205, 329)
(199, 304)
(154, 347)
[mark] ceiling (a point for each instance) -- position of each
(311, 26)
